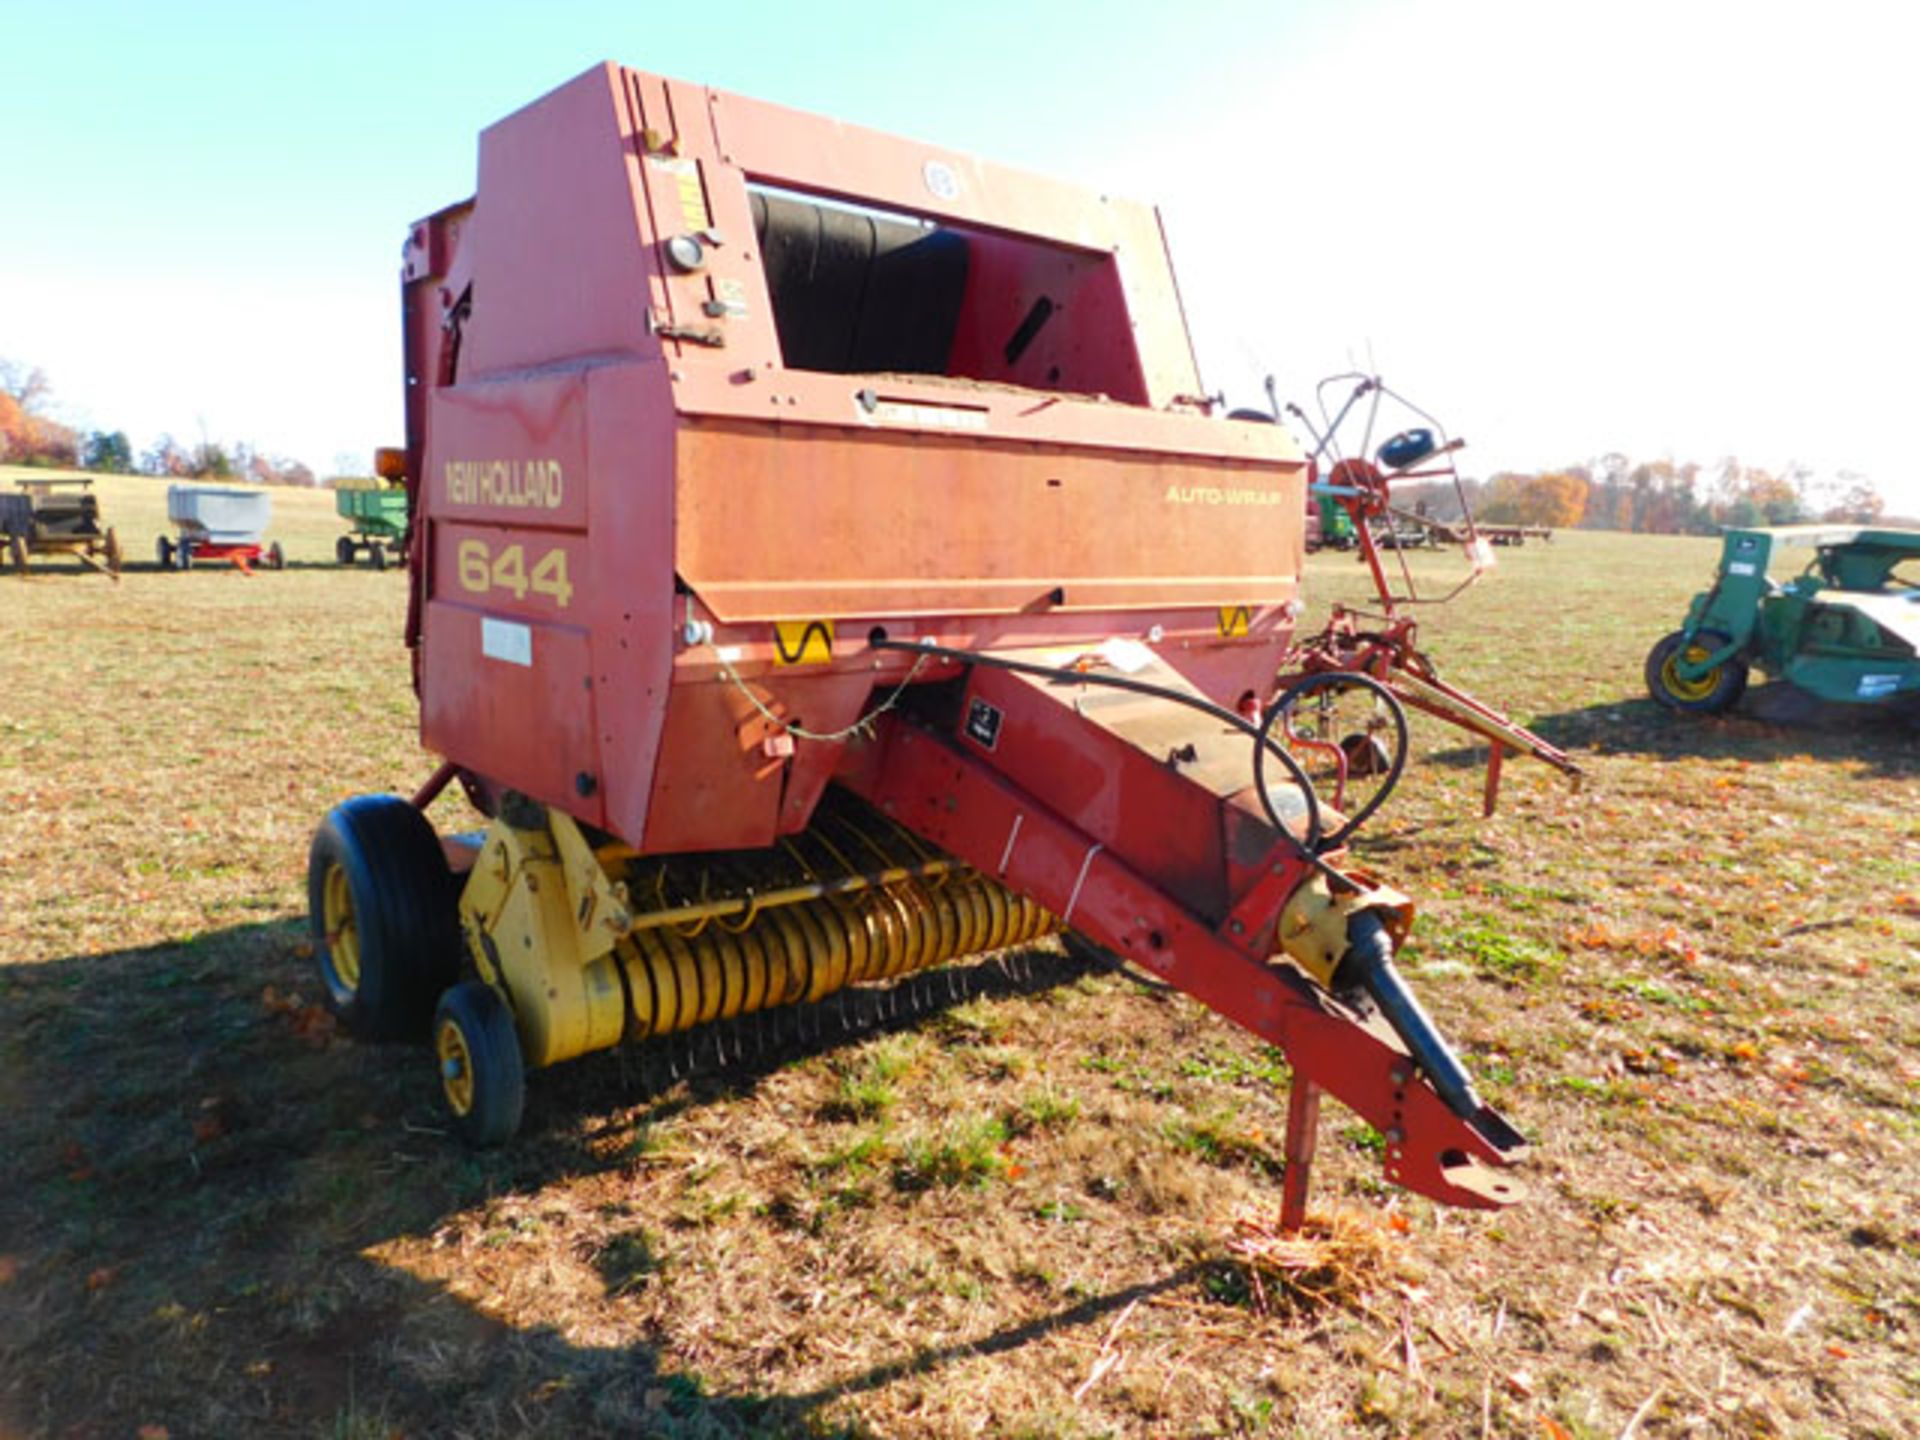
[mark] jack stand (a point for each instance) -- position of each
(1303, 1137)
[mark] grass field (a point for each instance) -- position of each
(1696, 985)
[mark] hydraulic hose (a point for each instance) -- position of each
(1308, 848)
(1368, 965)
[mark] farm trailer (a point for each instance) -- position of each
(218, 524)
(824, 567)
(376, 514)
(57, 517)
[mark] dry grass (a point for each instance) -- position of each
(1697, 984)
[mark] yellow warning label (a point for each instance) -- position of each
(690, 192)
(1234, 619)
(802, 642)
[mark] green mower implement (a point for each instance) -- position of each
(1846, 628)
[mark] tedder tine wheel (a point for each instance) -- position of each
(482, 1077)
(383, 912)
(1712, 692)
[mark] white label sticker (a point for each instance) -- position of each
(1740, 567)
(506, 640)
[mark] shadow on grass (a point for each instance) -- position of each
(1771, 722)
(196, 1170)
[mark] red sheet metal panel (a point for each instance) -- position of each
(809, 521)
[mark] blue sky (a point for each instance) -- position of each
(1678, 228)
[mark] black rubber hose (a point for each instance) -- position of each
(1325, 680)
(1368, 964)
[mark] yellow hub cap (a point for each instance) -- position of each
(456, 1066)
(1689, 689)
(343, 934)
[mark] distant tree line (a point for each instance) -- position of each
(30, 436)
(1657, 497)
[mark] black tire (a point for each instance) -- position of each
(1715, 691)
(1367, 755)
(276, 557)
(163, 552)
(183, 555)
(483, 1079)
(343, 549)
(384, 916)
(378, 554)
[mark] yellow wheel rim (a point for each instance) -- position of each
(1689, 689)
(456, 1067)
(343, 933)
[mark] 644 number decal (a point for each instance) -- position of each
(483, 568)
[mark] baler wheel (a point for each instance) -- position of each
(343, 550)
(383, 916)
(482, 1076)
(1712, 692)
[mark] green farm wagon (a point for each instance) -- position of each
(376, 516)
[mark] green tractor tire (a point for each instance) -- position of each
(1713, 692)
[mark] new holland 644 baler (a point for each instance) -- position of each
(824, 567)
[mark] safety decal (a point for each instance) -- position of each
(691, 193)
(1234, 619)
(802, 642)
(983, 724)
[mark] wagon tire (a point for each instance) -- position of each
(276, 557)
(17, 550)
(343, 550)
(163, 552)
(1712, 693)
(483, 1078)
(378, 554)
(183, 555)
(383, 914)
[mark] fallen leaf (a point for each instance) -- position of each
(102, 1277)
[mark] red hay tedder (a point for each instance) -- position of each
(1360, 478)
(823, 568)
